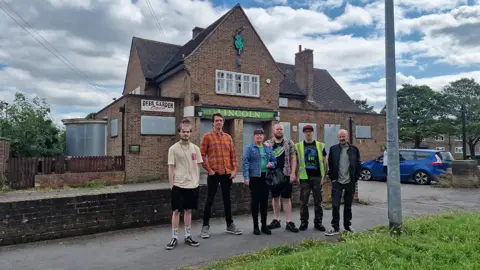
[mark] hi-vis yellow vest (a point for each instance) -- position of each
(302, 173)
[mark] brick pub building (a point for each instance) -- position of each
(225, 68)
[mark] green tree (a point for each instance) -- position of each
(29, 128)
(419, 111)
(363, 104)
(90, 116)
(465, 92)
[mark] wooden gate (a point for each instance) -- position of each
(21, 172)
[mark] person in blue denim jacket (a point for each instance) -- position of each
(257, 159)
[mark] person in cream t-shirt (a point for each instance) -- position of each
(184, 160)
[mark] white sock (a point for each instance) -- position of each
(175, 233)
(188, 231)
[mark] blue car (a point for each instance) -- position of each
(416, 165)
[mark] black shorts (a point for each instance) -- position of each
(284, 190)
(184, 198)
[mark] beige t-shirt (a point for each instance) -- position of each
(186, 160)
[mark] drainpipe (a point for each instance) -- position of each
(350, 129)
(122, 110)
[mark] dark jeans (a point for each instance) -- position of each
(337, 190)
(314, 185)
(259, 198)
(212, 184)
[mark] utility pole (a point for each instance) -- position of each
(464, 133)
(393, 182)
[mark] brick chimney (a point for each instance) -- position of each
(304, 71)
(196, 31)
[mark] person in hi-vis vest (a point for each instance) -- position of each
(311, 172)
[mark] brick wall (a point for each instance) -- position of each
(218, 52)
(134, 77)
(369, 148)
(73, 179)
(151, 163)
(175, 86)
(35, 220)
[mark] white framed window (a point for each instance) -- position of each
(439, 138)
(283, 102)
(239, 84)
(440, 148)
(458, 150)
(458, 138)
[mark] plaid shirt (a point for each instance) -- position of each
(289, 150)
(218, 153)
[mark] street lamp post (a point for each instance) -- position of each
(393, 182)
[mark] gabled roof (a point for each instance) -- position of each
(191, 45)
(153, 55)
(327, 93)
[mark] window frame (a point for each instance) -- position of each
(144, 133)
(246, 86)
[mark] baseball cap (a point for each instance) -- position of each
(307, 128)
(258, 131)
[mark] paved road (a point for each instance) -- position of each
(144, 248)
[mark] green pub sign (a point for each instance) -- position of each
(238, 43)
(237, 113)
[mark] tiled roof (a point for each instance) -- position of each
(328, 94)
(154, 55)
(288, 86)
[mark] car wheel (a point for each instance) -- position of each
(421, 178)
(365, 175)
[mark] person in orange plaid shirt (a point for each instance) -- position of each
(220, 161)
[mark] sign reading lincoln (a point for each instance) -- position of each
(157, 106)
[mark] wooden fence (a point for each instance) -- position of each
(21, 171)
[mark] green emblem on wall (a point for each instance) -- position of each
(239, 43)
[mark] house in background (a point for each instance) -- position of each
(226, 68)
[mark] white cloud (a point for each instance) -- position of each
(429, 5)
(451, 37)
(354, 15)
(95, 36)
(271, 2)
(375, 91)
(324, 4)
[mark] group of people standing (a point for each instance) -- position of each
(304, 163)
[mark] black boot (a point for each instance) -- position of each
(266, 230)
(256, 230)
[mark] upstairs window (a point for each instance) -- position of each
(238, 84)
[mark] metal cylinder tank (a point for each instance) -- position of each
(85, 137)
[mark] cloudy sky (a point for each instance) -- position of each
(88, 42)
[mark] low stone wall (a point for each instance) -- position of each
(77, 179)
(43, 219)
(464, 174)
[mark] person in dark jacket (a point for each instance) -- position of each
(344, 171)
(257, 159)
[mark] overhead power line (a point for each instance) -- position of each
(155, 17)
(69, 65)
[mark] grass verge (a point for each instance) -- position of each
(447, 241)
